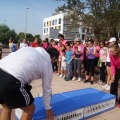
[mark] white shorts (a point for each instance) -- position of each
(63, 67)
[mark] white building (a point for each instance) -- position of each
(63, 26)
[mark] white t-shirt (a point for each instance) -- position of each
(23, 45)
(28, 64)
(63, 64)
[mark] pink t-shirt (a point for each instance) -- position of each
(103, 54)
(63, 42)
(81, 49)
(45, 45)
(97, 51)
(115, 63)
(55, 47)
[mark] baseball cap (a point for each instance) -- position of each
(113, 39)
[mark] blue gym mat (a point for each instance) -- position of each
(70, 101)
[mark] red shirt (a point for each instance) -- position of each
(34, 44)
(115, 63)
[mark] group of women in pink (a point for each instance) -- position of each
(94, 57)
(102, 58)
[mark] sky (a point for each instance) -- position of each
(13, 14)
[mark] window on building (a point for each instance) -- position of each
(83, 30)
(44, 24)
(52, 22)
(59, 20)
(88, 30)
(78, 35)
(47, 24)
(83, 36)
(65, 28)
(55, 22)
(45, 30)
(60, 28)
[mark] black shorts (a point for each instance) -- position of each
(108, 64)
(13, 93)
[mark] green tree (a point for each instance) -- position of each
(101, 15)
(38, 36)
(29, 37)
(21, 36)
(6, 34)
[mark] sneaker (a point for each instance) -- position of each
(105, 86)
(63, 76)
(102, 83)
(91, 82)
(55, 72)
(99, 81)
(79, 79)
(74, 78)
(67, 79)
(60, 75)
(85, 81)
(108, 87)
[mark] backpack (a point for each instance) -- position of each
(14, 47)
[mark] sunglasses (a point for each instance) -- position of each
(77, 41)
(101, 44)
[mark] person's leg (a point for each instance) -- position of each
(102, 72)
(28, 112)
(79, 68)
(6, 112)
(67, 70)
(114, 85)
(108, 74)
(119, 96)
(88, 69)
(64, 72)
(110, 71)
(59, 66)
(92, 69)
(56, 66)
(96, 68)
(75, 67)
(70, 71)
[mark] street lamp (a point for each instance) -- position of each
(4, 32)
(26, 23)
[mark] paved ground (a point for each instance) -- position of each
(59, 85)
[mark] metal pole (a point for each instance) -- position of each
(26, 23)
(4, 32)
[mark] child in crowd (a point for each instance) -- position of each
(14, 46)
(63, 65)
(69, 58)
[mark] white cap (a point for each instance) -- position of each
(113, 39)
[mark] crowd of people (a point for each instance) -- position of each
(88, 57)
